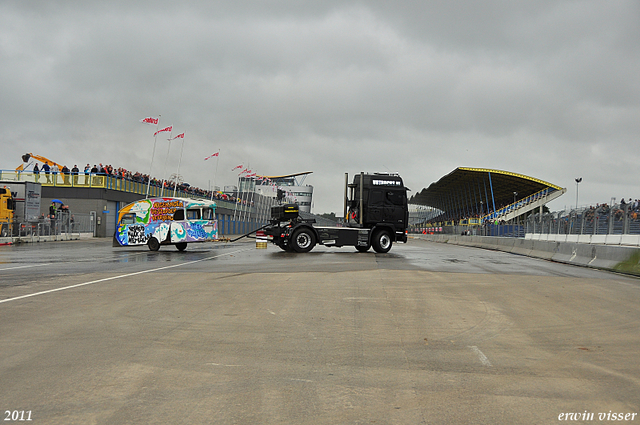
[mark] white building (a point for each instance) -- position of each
(292, 187)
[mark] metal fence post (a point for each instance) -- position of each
(625, 218)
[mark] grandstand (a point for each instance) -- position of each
(473, 196)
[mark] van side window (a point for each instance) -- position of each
(128, 219)
(193, 214)
(178, 215)
(207, 214)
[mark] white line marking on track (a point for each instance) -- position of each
(225, 365)
(119, 277)
(24, 267)
(483, 359)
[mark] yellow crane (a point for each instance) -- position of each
(27, 156)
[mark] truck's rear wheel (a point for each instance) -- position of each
(303, 240)
(153, 244)
(381, 241)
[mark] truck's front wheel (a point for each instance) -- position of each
(381, 241)
(303, 240)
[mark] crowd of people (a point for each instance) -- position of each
(95, 173)
(631, 206)
(617, 211)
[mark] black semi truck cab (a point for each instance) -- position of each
(376, 215)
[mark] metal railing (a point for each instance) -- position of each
(63, 226)
(487, 229)
(617, 224)
(82, 180)
(602, 220)
(520, 204)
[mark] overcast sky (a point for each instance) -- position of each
(549, 89)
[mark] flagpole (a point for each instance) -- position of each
(243, 212)
(235, 208)
(164, 173)
(253, 196)
(178, 172)
(215, 175)
(155, 139)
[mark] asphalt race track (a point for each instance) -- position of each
(226, 333)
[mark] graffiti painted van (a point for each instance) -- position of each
(166, 221)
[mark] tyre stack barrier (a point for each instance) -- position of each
(261, 239)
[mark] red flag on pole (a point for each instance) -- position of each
(211, 156)
(164, 129)
(149, 120)
(236, 167)
(179, 136)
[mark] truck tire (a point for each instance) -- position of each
(153, 244)
(303, 240)
(181, 246)
(381, 241)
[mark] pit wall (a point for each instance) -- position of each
(624, 259)
(625, 240)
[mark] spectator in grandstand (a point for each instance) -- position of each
(36, 172)
(46, 169)
(54, 172)
(74, 172)
(65, 174)
(94, 171)
(87, 172)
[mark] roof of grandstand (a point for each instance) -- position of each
(288, 175)
(469, 188)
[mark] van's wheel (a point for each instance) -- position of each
(303, 240)
(181, 246)
(363, 248)
(153, 243)
(381, 241)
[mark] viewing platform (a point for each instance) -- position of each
(101, 181)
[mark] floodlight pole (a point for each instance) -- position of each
(578, 180)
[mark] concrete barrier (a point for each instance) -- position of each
(620, 258)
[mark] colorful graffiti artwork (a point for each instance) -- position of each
(165, 219)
